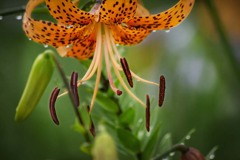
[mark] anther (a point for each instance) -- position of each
(52, 101)
(147, 113)
(161, 90)
(126, 71)
(74, 88)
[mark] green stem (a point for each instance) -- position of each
(65, 81)
(178, 147)
(228, 50)
(14, 10)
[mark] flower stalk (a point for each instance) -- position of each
(72, 97)
(14, 10)
(178, 147)
(229, 52)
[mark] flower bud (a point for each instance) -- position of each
(104, 147)
(39, 77)
(192, 154)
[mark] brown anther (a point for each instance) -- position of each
(162, 88)
(52, 101)
(92, 128)
(126, 71)
(74, 88)
(119, 92)
(147, 113)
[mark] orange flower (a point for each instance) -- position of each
(81, 34)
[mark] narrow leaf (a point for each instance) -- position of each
(128, 140)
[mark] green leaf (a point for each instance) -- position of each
(151, 144)
(39, 77)
(188, 136)
(78, 127)
(165, 144)
(86, 148)
(128, 140)
(106, 103)
(127, 117)
(211, 154)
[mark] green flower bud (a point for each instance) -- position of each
(39, 77)
(104, 147)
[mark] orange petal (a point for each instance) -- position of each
(49, 33)
(128, 36)
(116, 11)
(165, 20)
(67, 12)
(81, 49)
(46, 32)
(31, 5)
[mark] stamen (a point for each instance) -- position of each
(96, 58)
(161, 91)
(52, 101)
(126, 71)
(74, 88)
(98, 66)
(116, 69)
(147, 113)
(117, 91)
(120, 68)
(93, 66)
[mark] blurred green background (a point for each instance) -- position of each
(203, 89)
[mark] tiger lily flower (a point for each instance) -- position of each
(80, 34)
